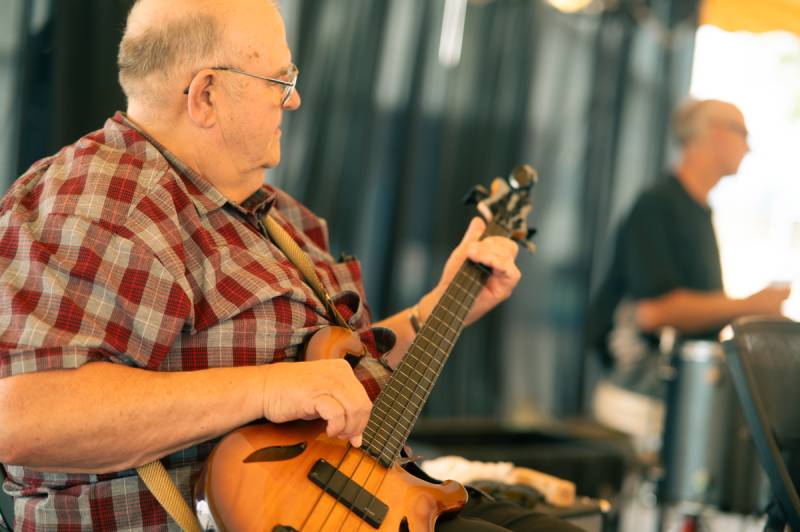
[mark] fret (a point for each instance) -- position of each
(382, 438)
(402, 399)
(443, 337)
(437, 321)
(412, 387)
(462, 301)
(400, 413)
(421, 374)
(450, 297)
(392, 436)
(378, 408)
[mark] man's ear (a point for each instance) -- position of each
(201, 99)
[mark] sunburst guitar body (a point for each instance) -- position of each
(293, 477)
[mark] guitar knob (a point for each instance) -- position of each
(523, 176)
(476, 195)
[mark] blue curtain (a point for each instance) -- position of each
(390, 137)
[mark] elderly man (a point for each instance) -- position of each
(146, 311)
(666, 268)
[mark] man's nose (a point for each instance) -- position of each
(294, 101)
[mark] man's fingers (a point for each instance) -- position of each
(333, 413)
(474, 231)
(497, 253)
(357, 408)
(346, 410)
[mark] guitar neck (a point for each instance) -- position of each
(400, 403)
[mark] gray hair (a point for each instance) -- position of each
(150, 59)
(693, 117)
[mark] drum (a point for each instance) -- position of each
(707, 452)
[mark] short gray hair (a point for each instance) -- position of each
(150, 58)
(692, 117)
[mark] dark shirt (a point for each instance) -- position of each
(666, 242)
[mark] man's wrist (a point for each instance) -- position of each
(414, 319)
(422, 310)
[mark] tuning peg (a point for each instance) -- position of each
(523, 176)
(476, 195)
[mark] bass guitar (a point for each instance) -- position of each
(292, 476)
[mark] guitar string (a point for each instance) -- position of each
(472, 276)
(373, 495)
(466, 274)
(462, 275)
(403, 408)
(373, 462)
(474, 282)
(458, 283)
(337, 499)
(322, 490)
(363, 454)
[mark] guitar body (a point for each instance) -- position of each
(292, 476)
(257, 477)
(262, 495)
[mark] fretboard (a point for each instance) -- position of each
(401, 401)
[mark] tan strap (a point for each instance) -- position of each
(160, 484)
(154, 475)
(302, 262)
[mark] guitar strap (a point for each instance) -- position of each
(302, 262)
(154, 475)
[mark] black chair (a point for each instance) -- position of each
(764, 361)
(6, 506)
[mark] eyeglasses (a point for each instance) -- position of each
(736, 127)
(288, 84)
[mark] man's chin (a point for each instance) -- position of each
(272, 159)
(271, 163)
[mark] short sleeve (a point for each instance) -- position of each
(74, 291)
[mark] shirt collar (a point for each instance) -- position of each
(205, 198)
(258, 203)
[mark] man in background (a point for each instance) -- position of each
(666, 269)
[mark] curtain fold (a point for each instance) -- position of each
(389, 139)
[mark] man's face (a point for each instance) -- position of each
(250, 121)
(730, 137)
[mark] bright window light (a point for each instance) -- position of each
(757, 212)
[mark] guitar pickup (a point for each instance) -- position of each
(349, 493)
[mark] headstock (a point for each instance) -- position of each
(507, 205)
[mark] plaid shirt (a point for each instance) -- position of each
(114, 250)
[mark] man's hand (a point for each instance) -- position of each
(495, 252)
(325, 389)
(768, 300)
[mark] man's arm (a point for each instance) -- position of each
(692, 311)
(106, 417)
(495, 252)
